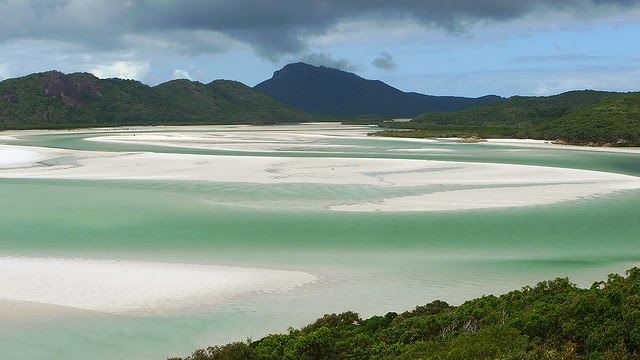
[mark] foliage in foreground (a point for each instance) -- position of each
(553, 320)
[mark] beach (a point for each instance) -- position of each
(489, 185)
(203, 235)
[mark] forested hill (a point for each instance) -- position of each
(53, 99)
(553, 320)
(576, 117)
(327, 91)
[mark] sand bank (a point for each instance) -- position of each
(16, 157)
(495, 185)
(550, 145)
(8, 138)
(484, 198)
(324, 128)
(301, 138)
(265, 169)
(131, 287)
(488, 185)
(230, 141)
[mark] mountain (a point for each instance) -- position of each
(54, 99)
(326, 91)
(576, 117)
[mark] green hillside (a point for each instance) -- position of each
(53, 99)
(553, 320)
(576, 117)
(615, 120)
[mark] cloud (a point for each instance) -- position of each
(325, 59)
(122, 69)
(384, 62)
(272, 28)
(181, 74)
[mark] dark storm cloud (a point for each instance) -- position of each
(272, 28)
(384, 62)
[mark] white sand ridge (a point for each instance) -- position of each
(491, 185)
(486, 185)
(13, 156)
(135, 287)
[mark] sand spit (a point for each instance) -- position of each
(303, 137)
(228, 141)
(484, 198)
(496, 185)
(281, 139)
(265, 169)
(550, 145)
(8, 138)
(487, 185)
(130, 287)
(11, 157)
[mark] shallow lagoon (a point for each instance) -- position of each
(368, 262)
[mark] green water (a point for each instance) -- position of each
(367, 262)
(623, 163)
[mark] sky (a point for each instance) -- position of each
(454, 47)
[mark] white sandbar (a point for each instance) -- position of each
(551, 145)
(282, 139)
(8, 138)
(16, 156)
(131, 287)
(483, 198)
(488, 185)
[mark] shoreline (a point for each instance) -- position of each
(363, 131)
(552, 145)
(365, 256)
(493, 185)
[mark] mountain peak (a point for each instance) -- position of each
(328, 91)
(300, 69)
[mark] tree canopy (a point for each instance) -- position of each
(576, 117)
(53, 99)
(552, 320)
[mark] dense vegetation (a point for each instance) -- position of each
(56, 100)
(553, 320)
(576, 117)
(53, 99)
(332, 92)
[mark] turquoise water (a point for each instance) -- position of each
(367, 262)
(623, 163)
